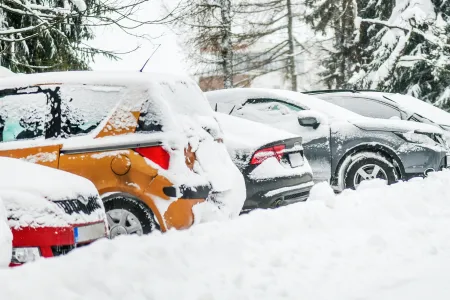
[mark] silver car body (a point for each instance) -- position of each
(413, 148)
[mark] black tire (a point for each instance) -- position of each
(135, 206)
(370, 159)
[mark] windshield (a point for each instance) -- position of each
(313, 103)
(421, 108)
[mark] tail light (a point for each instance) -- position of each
(263, 154)
(156, 154)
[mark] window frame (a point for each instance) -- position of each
(48, 128)
(268, 100)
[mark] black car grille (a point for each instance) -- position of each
(302, 195)
(76, 206)
(61, 250)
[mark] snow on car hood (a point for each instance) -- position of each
(394, 125)
(413, 105)
(43, 181)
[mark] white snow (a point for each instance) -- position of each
(27, 209)
(427, 110)
(380, 242)
(5, 72)
(43, 181)
(5, 237)
(227, 99)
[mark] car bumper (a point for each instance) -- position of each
(422, 160)
(277, 191)
(55, 241)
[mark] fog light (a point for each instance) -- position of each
(25, 254)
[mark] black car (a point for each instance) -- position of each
(275, 169)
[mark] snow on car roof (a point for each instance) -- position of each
(43, 181)
(240, 95)
(183, 94)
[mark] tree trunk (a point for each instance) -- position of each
(226, 44)
(292, 70)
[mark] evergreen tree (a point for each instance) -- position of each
(409, 50)
(337, 20)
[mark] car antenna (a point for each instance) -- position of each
(215, 109)
(151, 55)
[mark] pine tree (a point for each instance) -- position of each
(337, 19)
(410, 52)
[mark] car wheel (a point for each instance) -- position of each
(369, 166)
(128, 215)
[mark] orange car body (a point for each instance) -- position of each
(116, 154)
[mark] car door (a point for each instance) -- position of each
(285, 116)
(26, 126)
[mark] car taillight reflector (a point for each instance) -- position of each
(263, 154)
(156, 154)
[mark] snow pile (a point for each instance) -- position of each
(5, 238)
(5, 72)
(26, 209)
(380, 242)
(43, 181)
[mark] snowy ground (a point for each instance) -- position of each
(377, 243)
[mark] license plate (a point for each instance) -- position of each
(296, 160)
(89, 232)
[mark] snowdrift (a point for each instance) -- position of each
(5, 239)
(380, 242)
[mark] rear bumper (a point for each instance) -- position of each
(277, 191)
(50, 240)
(187, 192)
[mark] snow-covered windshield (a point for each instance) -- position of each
(313, 103)
(185, 97)
(422, 108)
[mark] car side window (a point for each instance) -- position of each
(23, 114)
(366, 107)
(82, 107)
(267, 105)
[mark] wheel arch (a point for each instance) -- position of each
(381, 149)
(151, 206)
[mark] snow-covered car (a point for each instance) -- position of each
(149, 142)
(342, 147)
(275, 170)
(50, 212)
(388, 106)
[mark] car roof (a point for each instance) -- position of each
(407, 103)
(114, 78)
(238, 96)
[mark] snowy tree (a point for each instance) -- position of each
(270, 27)
(337, 20)
(409, 51)
(251, 37)
(206, 26)
(40, 35)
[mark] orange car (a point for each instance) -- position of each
(149, 142)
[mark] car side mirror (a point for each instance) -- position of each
(309, 122)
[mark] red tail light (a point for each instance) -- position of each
(156, 154)
(263, 154)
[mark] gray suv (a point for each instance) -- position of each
(342, 147)
(388, 106)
